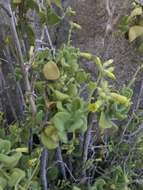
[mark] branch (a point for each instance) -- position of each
(62, 165)
(87, 140)
(21, 62)
(8, 97)
(49, 39)
(43, 168)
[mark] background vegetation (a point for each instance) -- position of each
(63, 127)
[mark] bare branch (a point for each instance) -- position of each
(21, 61)
(62, 166)
(43, 167)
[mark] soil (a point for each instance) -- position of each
(93, 17)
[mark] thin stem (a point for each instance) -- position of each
(69, 36)
(87, 143)
(49, 39)
(134, 77)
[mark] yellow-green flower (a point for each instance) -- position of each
(93, 107)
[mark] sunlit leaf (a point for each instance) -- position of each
(105, 122)
(5, 146)
(49, 142)
(16, 176)
(136, 11)
(51, 71)
(135, 32)
(60, 96)
(53, 18)
(3, 183)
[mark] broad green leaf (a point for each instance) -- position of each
(53, 18)
(61, 96)
(3, 182)
(81, 76)
(49, 142)
(51, 132)
(77, 104)
(53, 173)
(51, 71)
(72, 90)
(5, 146)
(77, 124)
(63, 136)
(124, 24)
(105, 122)
(42, 16)
(31, 4)
(39, 117)
(16, 176)
(135, 32)
(136, 11)
(10, 161)
(60, 120)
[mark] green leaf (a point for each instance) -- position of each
(3, 182)
(58, 3)
(16, 176)
(53, 173)
(135, 32)
(5, 146)
(77, 104)
(98, 185)
(31, 35)
(31, 4)
(10, 161)
(51, 71)
(105, 122)
(72, 90)
(124, 24)
(42, 16)
(48, 142)
(77, 124)
(39, 117)
(81, 76)
(53, 18)
(60, 120)
(136, 11)
(61, 96)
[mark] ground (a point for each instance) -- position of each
(93, 17)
